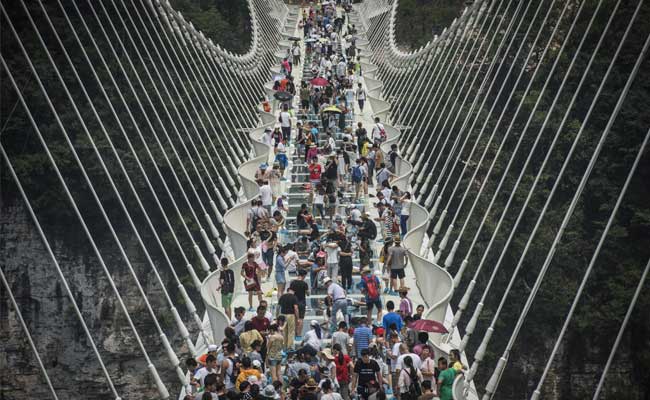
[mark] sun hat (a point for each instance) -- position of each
(327, 280)
(366, 270)
(313, 322)
(327, 353)
(403, 289)
(257, 364)
(263, 165)
(212, 347)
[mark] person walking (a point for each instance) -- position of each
(285, 123)
(371, 287)
(410, 379)
(288, 303)
(339, 301)
(396, 262)
(280, 270)
(226, 286)
(249, 271)
(361, 97)
(301, 289)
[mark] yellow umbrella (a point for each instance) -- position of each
(332, 109)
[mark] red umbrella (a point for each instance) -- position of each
(427, 325)
(319, 82)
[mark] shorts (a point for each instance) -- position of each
(301, 310)
(280, 277)
(226, 300)
(374, 303)
(397, 273)
(273, 361)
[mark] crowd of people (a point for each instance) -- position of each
(310, 255)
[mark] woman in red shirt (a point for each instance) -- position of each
(343, 366)
(249, 271)
(314, 171)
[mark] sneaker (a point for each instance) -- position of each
(252, 309)
(392, 293)
(385, 290)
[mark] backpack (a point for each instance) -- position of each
(414, 388)
(371, 287)
(356, 174)
(235, 369)
(382, 132)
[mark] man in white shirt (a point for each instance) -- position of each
(210, 368)
(339, 301)
(266, 195)
(377, 130)
(403, 352)
(333, 250)
(268, 136)
(355, 214)
(285, 123)
(361, 97)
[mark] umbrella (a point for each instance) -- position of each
(332, 109)
(324, 40)
(283, 96)
(310, 40)
(427, 325)
(319, 82)
(294, 38)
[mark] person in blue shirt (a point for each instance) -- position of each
(362, 336)
(391, 317)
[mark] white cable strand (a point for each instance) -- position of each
(590, 267)
(494, 380)
(152, 369)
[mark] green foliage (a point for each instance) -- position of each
(226, 22)
(419, 20)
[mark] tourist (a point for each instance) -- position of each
(250, 335)
(405, 304)
(362, 336)
(371, 287)
(446, 379)
(397, 261)
(209, 368)
(288, 303)
(249, 271)
(280, 268)
(226, 286)
(339, 301)
(312, 341)
(367, 374)
(361, 97)
(410, 378)
(301, 289)
(341, 338)
(275, 346)
(285, 123)
(333, 252)
(238, 322)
